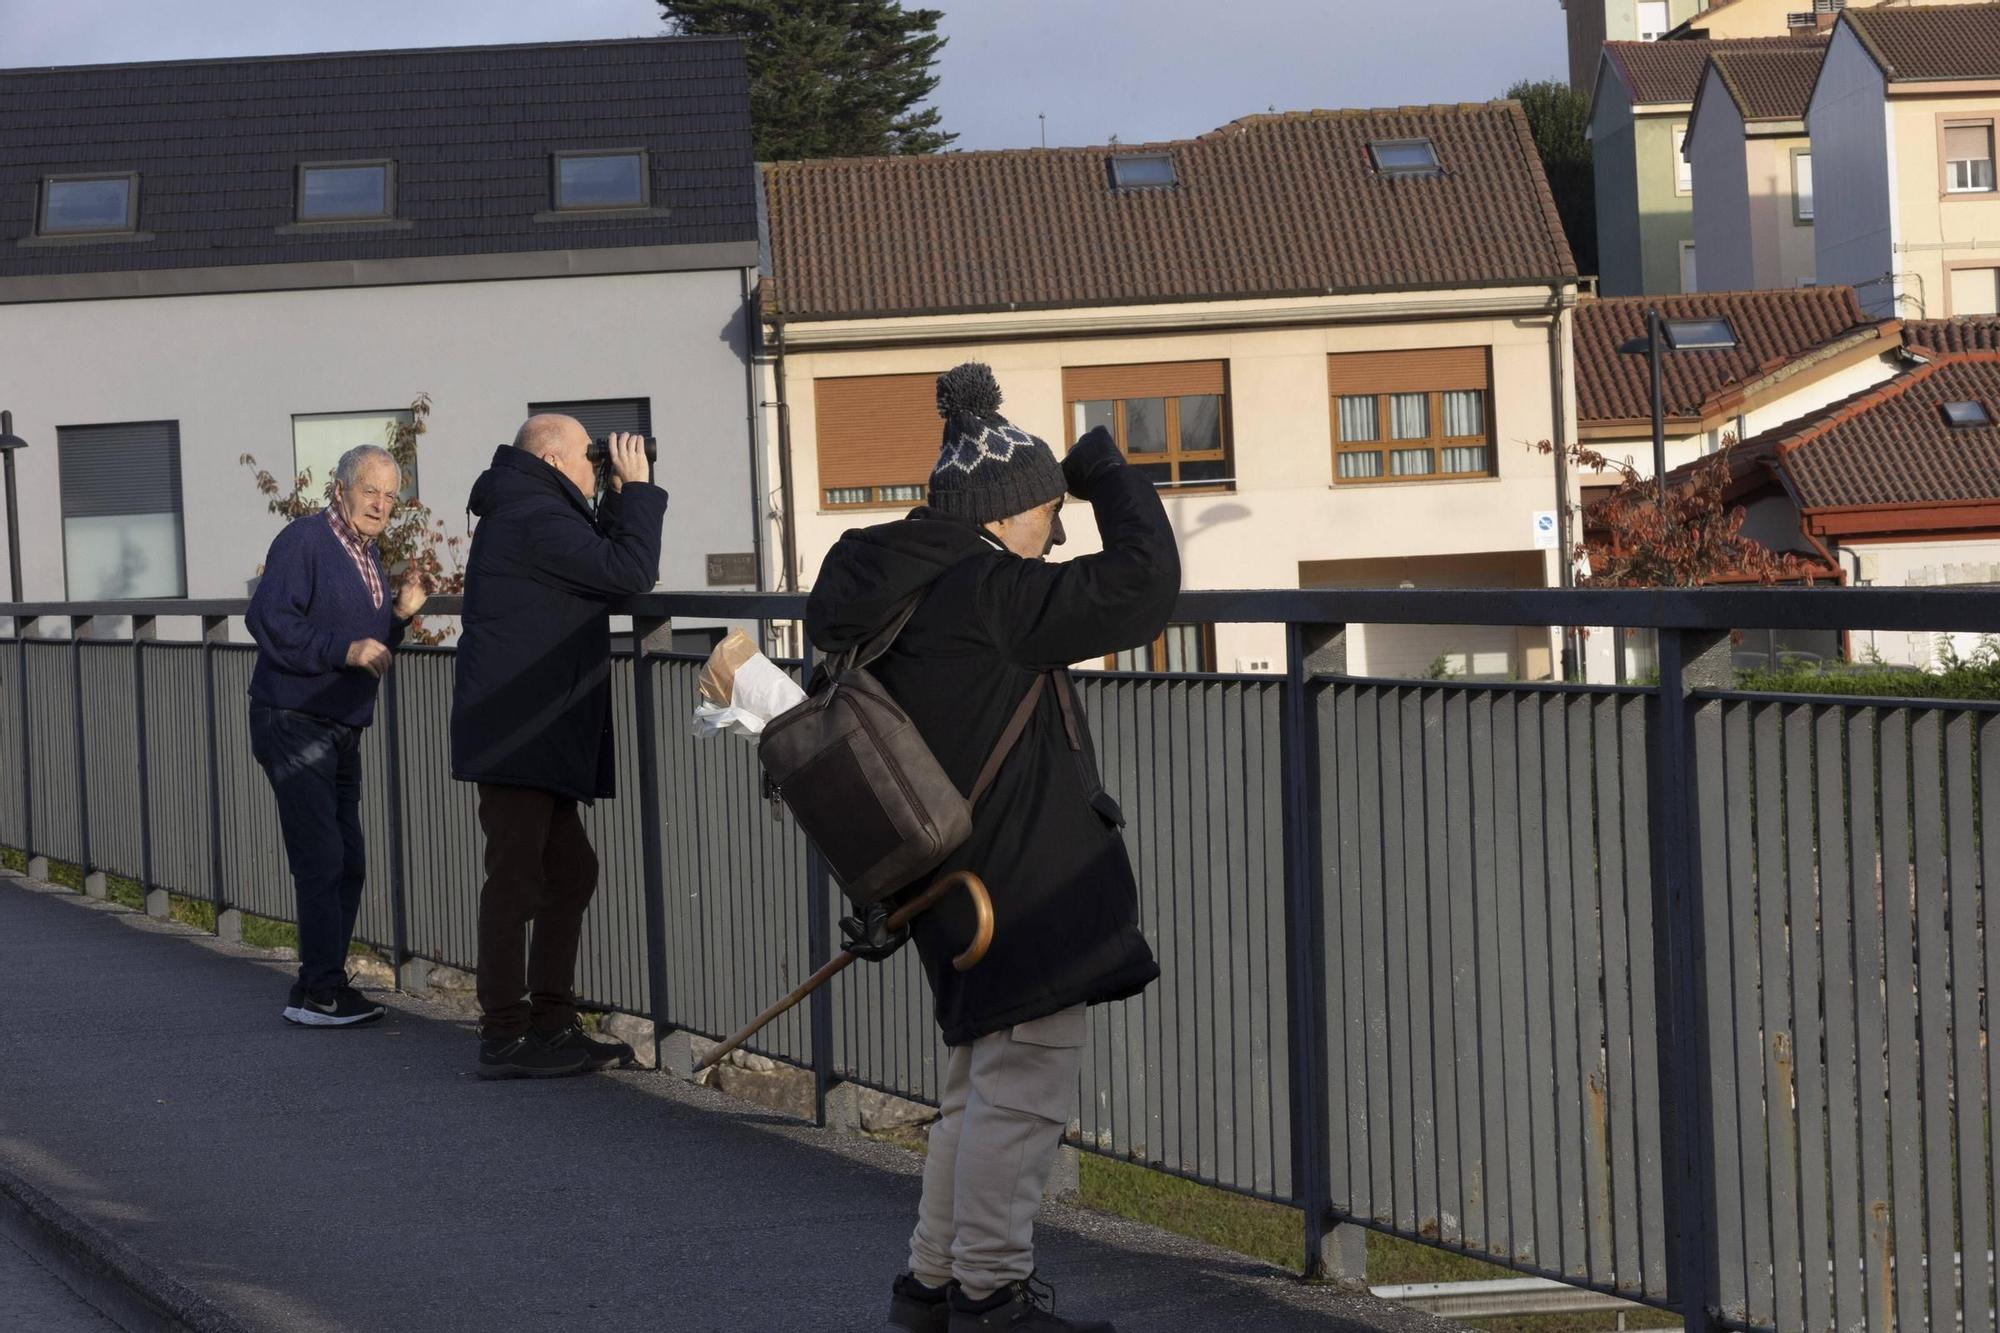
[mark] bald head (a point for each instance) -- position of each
(551, 435)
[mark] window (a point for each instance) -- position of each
(1142, 171)
(1802, 187)
(878, 439)
(1653, 21)
(1181, 649)
(614, 178)
(1411, 416)
(1968, 157)
(79, 205)
(1171, 419)
(1687, 267)
(319, 439)
(1962, 416)
(1405, 157)
(346, 191)
(603, 416)
(1972, 291)
(121, 510)
(1683, 169)
(1702, 334)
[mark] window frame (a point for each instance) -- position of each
(129, 227)
(1955, 423)
(1435, 167)
(1436, 441)
(388, 214)
(1947, 123)
(879, 493)
(1683, 169)
(406, 495)
(1156, 652)
(1117, 160)
(561, 155)
(172, 427)
(876, 497)
(1172, 456)
(1951, 271)
(1639, 19)
(1802, 212)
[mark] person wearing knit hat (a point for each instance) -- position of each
(994, 618)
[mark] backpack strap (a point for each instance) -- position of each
(872, 650)
(1008, 739)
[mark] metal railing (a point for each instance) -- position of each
(1674, 993)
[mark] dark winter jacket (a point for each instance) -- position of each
(533, 700)
(1045, 837)
(310, 604)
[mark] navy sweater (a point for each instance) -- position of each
(309, 606)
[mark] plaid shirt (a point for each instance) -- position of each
(359, 549)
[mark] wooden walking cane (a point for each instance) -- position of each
(982, 939)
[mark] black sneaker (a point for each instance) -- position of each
(597, 1054)
(530, 1055)
(916, 1308)
(339, 1007)
(1027, 1306)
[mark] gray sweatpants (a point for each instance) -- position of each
(1007, 1097)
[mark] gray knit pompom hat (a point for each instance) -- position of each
(989, 468)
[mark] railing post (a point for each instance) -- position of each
(1310, 648)
(143, 631)
(392, 768)
(94, 882)
(819, 945)
(23, 627)
(1689, 661)
(650, 635)
(228, 924)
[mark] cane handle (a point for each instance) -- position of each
(982, 913)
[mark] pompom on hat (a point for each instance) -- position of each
(988, 468)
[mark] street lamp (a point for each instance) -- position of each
(9, 442)
(1713, 334)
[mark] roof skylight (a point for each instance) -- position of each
(1964, 415)
(1143, 171)
(1405, 157)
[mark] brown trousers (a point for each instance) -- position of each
(540, 868)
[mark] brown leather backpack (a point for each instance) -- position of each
(865, 788)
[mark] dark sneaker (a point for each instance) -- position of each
(530, 1055)
(1027, 1306)
(597, 1054)
(916, 1308)
(340, 1007)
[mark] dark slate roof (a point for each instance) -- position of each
(1771, 83)
(1887, 445)
(471, 130)
(1268, 206)
(1671, 71)
(1932, 42)
(1774, 329)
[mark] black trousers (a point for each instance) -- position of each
(315, 770)
(540, 868)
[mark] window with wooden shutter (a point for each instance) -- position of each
(1411, 416)
(1171, 418)
(878, 439)
(1968, 157)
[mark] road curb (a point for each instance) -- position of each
(124, 1286)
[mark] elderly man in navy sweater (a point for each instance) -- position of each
(325, 623)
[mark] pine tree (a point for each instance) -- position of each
(830, 78)
(1559, 118)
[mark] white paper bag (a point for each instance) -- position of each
(761, 691)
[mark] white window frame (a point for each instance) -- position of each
(49, 184)
(1951, 164)
(1802, 199)
(1666, 19)
(1683, 169)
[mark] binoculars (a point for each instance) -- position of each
(599, 452)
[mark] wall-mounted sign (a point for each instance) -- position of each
(1545, 530)
(733, 569)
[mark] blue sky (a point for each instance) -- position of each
(1139, 69)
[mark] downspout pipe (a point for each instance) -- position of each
(788, 532)
(1559, 403)
(751, 337)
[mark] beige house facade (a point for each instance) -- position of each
(1907, 209)
(1346, 437)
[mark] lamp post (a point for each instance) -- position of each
(9, 442)
(1701, 334)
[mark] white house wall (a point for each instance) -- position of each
(1920, 565)
(234, 369)
(1854, 222)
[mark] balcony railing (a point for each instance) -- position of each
(1677, 993)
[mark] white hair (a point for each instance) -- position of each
(351, 463)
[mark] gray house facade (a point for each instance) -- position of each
(273, 257)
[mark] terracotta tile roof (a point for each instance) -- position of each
(1773, 329)
(1931, 42)
(1889, 445)
(1671, 71)
(1771, 83)
(1941, 337)
(1268, 206)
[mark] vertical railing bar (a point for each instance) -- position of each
(648, 633)
(819, 946)
(213, 631)
(142, 631)
(399, 910)
(1305, 949)
(22, 626)
(79, 626)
